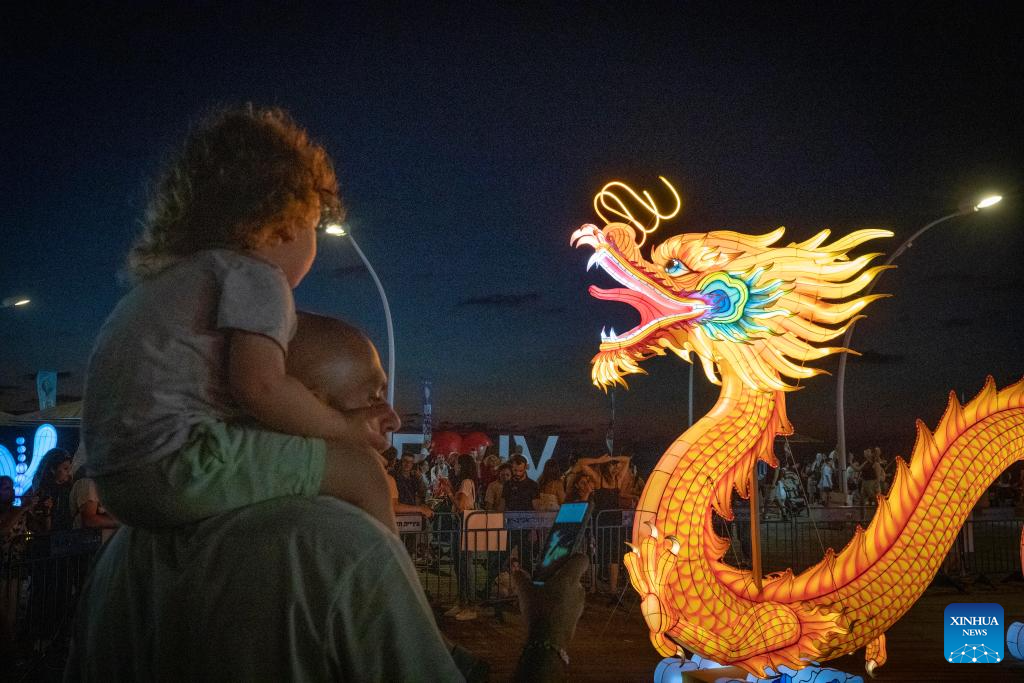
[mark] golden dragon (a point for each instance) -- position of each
(754, 314)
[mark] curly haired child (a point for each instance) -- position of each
(189, 410)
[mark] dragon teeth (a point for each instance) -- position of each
(594, 260)
(613, 335)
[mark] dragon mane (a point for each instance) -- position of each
(794, 296)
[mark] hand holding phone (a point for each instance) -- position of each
(563, 540)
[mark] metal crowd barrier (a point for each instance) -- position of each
(479, 549)
(41, 576)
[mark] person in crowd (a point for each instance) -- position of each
(494, 496)
(518, 493)
(465, 501)
(853, 477)
(825, 479)
(189, 409)
(520, 489)
(339, 598)
(582, 488)
(551, 488)
(613, 492)
(881, 471)
(405, 488)
(423, 469)
(52, 511)
(87, 510)
(504, 583)
(489, 464)
(869, 478)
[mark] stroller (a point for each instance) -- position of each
(789, 496)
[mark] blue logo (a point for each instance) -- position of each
(974, 633)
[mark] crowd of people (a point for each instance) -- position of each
(794, 487)
(458, 483)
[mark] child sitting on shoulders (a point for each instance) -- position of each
(189, 410)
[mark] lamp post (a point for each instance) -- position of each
(337, 229)
(841, 372)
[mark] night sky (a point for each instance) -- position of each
(469, 144)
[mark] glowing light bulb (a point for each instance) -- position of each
(988, 201)
(336, 229)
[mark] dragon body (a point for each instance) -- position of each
(754, 315)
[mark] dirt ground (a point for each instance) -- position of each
(611, 641)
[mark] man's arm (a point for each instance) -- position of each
(261, 384)
(552, 612)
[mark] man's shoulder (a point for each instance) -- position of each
(320, 523)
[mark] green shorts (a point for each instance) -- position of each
(221, 467)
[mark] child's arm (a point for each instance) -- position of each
(260, 383)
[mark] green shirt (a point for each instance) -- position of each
(293, 589)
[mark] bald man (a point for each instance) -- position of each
(292, 589)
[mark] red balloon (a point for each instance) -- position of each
(475, 440)
(445, 443)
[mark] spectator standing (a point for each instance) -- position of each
(465, 501)
(520, 490)
(489, 465)
(868, 478)
(494, 497)
(54, 489)
(407, 495)
(614, 483)
(551, 488)
(86, 510)
(582, 488)
(825, 482)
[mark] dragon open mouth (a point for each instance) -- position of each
(657, 307)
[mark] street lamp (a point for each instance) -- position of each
(13, 301)
(335, 228)
(984, 203)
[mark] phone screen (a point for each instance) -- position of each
(566, 534)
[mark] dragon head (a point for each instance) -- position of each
(732, 299)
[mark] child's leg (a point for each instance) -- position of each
(222, 467)
(358, 477)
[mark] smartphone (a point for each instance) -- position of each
(564, 539)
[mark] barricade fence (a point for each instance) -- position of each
(469, 558)
(41, 577)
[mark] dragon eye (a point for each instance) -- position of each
(675, 267)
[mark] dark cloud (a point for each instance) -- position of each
(502, 300)
(879, 358)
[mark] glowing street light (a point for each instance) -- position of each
(334, 227)
(991, 200)
(13, 301)
(984, 203)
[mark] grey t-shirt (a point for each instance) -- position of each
(160, 363)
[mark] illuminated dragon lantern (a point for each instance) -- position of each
(754, 314)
